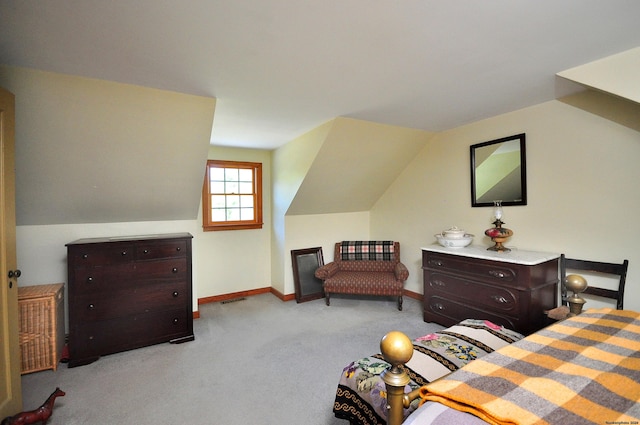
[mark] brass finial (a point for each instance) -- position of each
(576, 284)
(397, 349)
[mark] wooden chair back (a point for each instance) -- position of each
(598, 267)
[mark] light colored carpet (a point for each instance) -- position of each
(256, 361)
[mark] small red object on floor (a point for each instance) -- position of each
(41, 414)
(64, 356)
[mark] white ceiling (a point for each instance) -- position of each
(279, 68)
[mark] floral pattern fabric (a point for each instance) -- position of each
(361, 396)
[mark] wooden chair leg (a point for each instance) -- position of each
(400, 303)
(326, 298)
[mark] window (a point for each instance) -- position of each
(232, 196)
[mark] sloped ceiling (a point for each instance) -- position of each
(92, 151)
(356, 164)
(282, 67)
(617, 74)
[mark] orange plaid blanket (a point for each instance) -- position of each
(584, 370)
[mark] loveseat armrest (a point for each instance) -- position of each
(326, 271)
(401, 272)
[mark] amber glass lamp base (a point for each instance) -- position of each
(498, 245)
(499, 235)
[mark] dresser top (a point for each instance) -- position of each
(132, 238)
(528, 258)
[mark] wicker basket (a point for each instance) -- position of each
(41, 310)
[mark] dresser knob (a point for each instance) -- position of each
(438, 306)
(123, 253)
(497, 273)
(90, 279)
(175, 294)
(85, 256)
(178, 249)
(175, 320)
(436, 263)
(500, 299)
(174, 270)
(146, 251)
(91, 306)
(439, 283)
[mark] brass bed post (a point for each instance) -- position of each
(397, 349)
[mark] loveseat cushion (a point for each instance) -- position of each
(367, 250)
(367, 266)
(364, 282)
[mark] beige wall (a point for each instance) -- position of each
(321, 230)
(582, 172)
(291, 163)
(236, 260)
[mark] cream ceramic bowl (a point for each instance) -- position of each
(461, 242)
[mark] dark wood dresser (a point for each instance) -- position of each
(128, 292)
(512, 289)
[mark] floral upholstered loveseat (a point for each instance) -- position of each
(364, 268)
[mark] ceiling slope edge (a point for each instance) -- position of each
(616, 74)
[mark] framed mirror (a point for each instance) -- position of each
(498, 172)
(305, 262)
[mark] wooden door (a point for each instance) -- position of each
(10, 388)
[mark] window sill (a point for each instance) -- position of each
(235, 226)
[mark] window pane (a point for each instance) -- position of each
(218, 214)
(231, 174)
(217, 201)
(246, 175)
(216, 173)
(246, 213)
(246, 187)
(233, 214)
(217, 187)
(246, 201)
(231, 187)
(233, 201)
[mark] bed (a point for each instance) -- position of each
(583, 370)
(361, 393)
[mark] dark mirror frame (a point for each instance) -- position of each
(475, 157)
(305, 262)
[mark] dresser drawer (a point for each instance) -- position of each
(144, 299)
(156, 250)
(489, 271)
(449, 312)
(492, 298)
(125, 333)
(161, 270)
(100, 254)
(125, 276)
